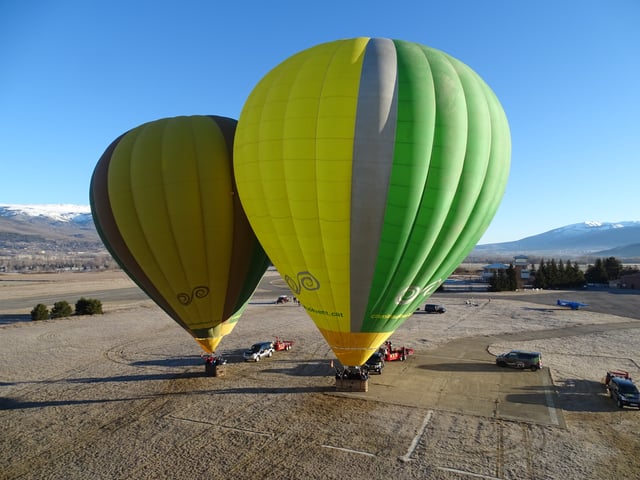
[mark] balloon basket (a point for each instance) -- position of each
(215, 370)
(352, 385)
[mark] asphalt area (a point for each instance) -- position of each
(461, 377)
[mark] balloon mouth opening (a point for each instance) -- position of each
(353, 349)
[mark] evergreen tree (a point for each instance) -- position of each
(88, 306)
(552, 274)
(40, 312)
(511, 279)
(61, 309)
(575, 275)
(613, 267)
(596, 273)
(540, 280)
(562, 275)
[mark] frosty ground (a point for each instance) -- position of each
(123, 395)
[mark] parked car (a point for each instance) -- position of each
(624, 392)
(375, 363)
(520, 359)
(257, 351)
(433, 308)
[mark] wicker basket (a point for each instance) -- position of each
(351, 385)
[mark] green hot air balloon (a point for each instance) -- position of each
(369, 168)
(164, 201)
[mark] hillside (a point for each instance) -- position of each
(52, 233)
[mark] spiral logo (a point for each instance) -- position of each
(304, 280)
(408, 295)
(293, 285)
(200, 291)
(308, 281)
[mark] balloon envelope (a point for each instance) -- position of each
(369, 168)
(164, 203)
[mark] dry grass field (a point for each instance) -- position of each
(124, 396)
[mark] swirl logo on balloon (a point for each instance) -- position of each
(200, 291)
(303, 280)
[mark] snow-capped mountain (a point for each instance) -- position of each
(587, 238)
(46, 227)
(55, 212)
(27, 230)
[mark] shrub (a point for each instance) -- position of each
(40, 312)
(61, 309)
(88, 306)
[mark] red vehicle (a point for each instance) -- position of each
(616, 373)
(392, 354)
(280, 345)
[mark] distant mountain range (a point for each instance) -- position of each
(27, 231)
(69, 228)
(578, 240)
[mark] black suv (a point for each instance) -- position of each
(375, 363)
(624, 392)
(520, 359)
(434, 308)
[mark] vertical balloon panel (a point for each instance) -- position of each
(391, 159)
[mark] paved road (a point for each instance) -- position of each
(625, 303)
(119, 295)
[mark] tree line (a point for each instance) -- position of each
(61, 309)
(560, 274)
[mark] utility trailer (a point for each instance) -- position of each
(279, 345)
(616, 373)
(393, 354)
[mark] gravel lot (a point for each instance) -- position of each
(123, 395)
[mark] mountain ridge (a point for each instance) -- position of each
(69, 227)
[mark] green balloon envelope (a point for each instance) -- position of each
(369, 168)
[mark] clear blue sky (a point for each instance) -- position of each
(75, 74)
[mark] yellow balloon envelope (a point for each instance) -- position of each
(369, 168)
(164, 201)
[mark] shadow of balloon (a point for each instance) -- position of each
(275, 390)
(236, 352)
(311, 368)
(139, 377)
(190, 361)
(13, 404)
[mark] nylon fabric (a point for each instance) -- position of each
(369, 168)
(165, 194)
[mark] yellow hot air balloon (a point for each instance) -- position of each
(164, 201)
(369, 168)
